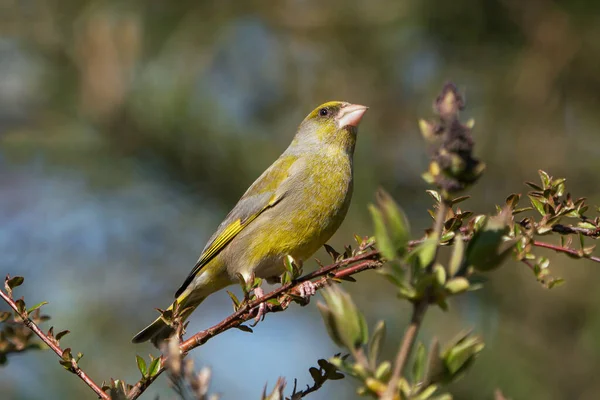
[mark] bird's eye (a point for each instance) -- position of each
(323, 112)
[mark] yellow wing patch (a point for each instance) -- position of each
(225, 237)
(221, 241)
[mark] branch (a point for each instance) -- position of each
(419, 309)
(309, 389)
(566, 250)
(568, 230)
(285, 294)
(73, 367)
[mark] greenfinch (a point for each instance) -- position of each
(293, 208)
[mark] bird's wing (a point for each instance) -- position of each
(264, 193)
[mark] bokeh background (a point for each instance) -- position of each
(129, 128)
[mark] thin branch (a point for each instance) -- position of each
(284, 294)
(565, 250)
(55, 347)
(569, 229)
(309, 389)
(419, 309)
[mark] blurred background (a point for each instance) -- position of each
(128, 129)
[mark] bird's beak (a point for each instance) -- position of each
(351, 115)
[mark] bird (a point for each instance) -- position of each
(292, 209)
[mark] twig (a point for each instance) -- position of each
(419, 309)
(309, 389)
(565, 250)
(59, 352)
(568, 229)
(362, 262)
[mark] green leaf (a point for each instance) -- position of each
(236, 302)
(459, 199)
(445, 396)
(141, 364)
(383, 371)
(457, 285)
(537, 204)
(418, 370)
(460, 355)
(427, 393)
(154, 367)
(435, 365)
(407, 292)
(488, 247)
(555, 282)
(458, 253)
(384, 242)
(288, 264)
(344, 322)
(436, 196)
(32, 309)
(426, 251)
(375, 343)
(545, 178)
(440, 274)
(447, 236)
(586, 225)
(364, 328)
(396, 221)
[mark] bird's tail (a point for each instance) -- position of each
(159, 330)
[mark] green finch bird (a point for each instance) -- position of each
(293, 208)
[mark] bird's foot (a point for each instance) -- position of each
(306, 290)
(262, 307)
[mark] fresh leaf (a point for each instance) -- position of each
(154, 367)
(32, 309)
(418, 370)
(376, 342)
(141, 364)
(458, 253)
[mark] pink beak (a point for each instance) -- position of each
(351, 115)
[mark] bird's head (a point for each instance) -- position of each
(332, 123)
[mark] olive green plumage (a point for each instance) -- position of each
(293, 208)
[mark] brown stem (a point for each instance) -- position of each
(362, 262)
(408, 341)
(419, 309)
(59, 352)
(568, 229)
(565, 250)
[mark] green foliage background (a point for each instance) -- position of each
(128, 130)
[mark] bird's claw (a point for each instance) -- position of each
(306, 290)
(262, 307)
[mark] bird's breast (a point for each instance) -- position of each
(315, 210)
(302, 222)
